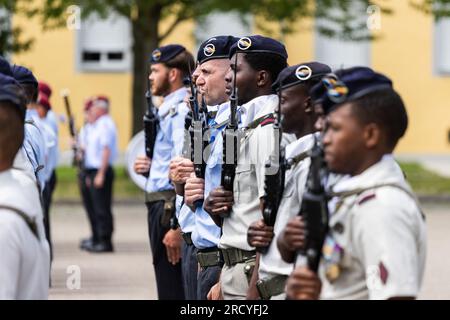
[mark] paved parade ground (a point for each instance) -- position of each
(128, 273)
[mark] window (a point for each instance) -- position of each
(442, 46)
(338, 53)
(104, 45)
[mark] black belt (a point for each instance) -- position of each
(210, 257)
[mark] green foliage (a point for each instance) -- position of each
(438, 8)
(425, 182)
(67, 186)
(11, 39)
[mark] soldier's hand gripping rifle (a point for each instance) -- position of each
(274, 177)
(77, 156)
(314, 208)
(230, 140)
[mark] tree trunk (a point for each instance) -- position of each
(145, 40)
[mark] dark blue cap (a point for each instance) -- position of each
(215, 48)
(9, 91)
(347, 85)
(5, 67)
(24, 75)
(258, 44)
(300, 73)
(166, 53)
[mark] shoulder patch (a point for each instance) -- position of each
(384, 274)
(367, 197)
(173, 111)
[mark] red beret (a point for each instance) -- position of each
(101, 101)
(43, 101)
(45, 89)
(88, 104)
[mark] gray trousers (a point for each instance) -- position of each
(234, 281)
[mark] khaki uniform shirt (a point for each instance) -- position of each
(255, 147)
(377, 241)
(271, 263)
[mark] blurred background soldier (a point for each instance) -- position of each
(37, 140)
(99, 142)
(50, 125)
(79, 148)
(25, 262)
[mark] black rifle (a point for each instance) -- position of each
(187, 125)
(274, 177)
(197, 130)
(151, 123)
(230, 140)
(314, 208)
(77, 157)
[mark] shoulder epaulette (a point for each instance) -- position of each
(261, 121)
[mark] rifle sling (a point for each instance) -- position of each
(31, 223)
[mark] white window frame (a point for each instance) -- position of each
(105, 65)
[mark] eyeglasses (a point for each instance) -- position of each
(336, 90)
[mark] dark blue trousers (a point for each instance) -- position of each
(169, 280)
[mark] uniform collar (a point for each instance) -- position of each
(300, 145)
(170, 100)
(386, 170)
(258, 107)
(223, 112)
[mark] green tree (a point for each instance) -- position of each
(11, 39)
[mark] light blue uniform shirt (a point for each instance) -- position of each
(52, 122)
(169, 140)
(95, 137)
(34, 146)
(185, 216)
(206, 233)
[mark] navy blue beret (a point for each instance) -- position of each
(300, 73)
(24, 75)
(5, 67)
(9, 91)
(258, 44)
(166, 53)
(347, 85)
(215, 48)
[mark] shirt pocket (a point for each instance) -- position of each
(245, 188)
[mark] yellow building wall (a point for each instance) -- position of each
(404, 52)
